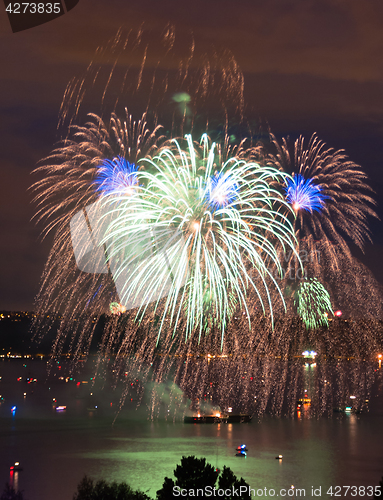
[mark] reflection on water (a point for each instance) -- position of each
(57, 448)
(57, 452)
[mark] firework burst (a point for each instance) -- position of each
(197, 227)
(68, 173)
(116, 176)
(303, 194)
(313, 303)
(329, 195)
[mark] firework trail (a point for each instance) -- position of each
(220, 228)
(184, 87)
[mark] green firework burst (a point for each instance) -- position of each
(313, 303)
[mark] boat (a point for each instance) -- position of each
(242, 448)
(16, 467)
(346, 409)
(303, 401)
(204, 419)
(306, 400)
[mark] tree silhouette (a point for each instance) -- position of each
(10, 493)
(194, 473)
(102, 490)
(229, 481)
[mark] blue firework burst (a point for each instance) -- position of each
(303, 194)
(221, 190)
(116, 177)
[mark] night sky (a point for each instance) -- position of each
(309, 66)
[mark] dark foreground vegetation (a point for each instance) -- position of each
(192, 474)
